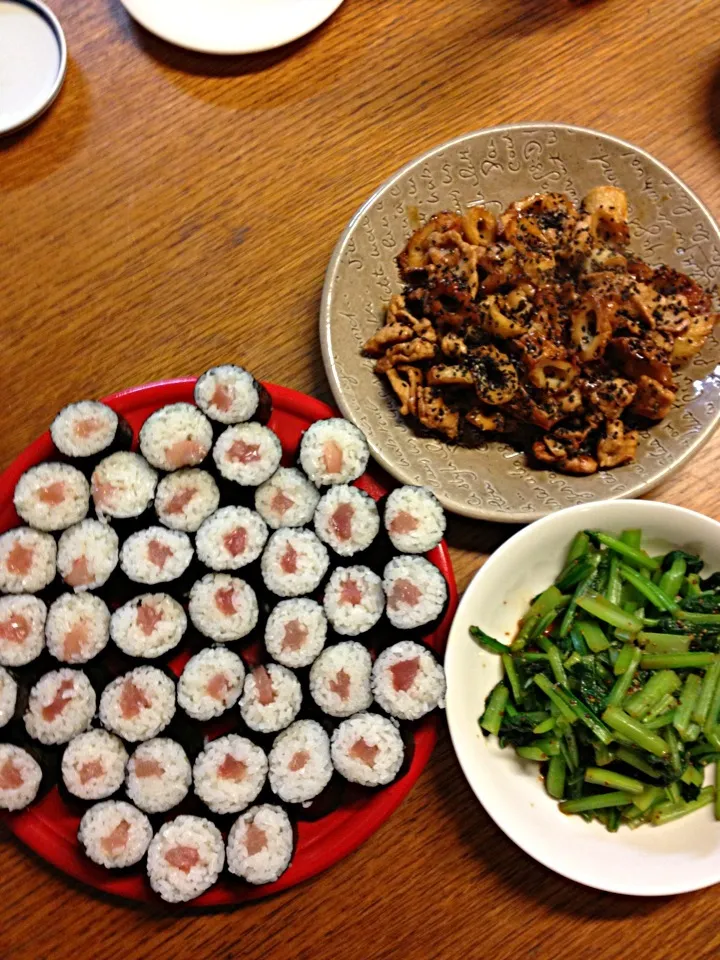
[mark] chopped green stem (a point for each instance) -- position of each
(707, 692)
(678, 661)
(512, 677)
(532, 753)
(603, 756)
(613, 590)
(575, 572)
(668, 812)
(648, 589)
(599, 801)
(693, 775)
(593, 635)
(634, 731)
(676, 750)
(547, 600)
(486, 642)
(573, 754)
(546, 621)
(633, 759)
(624, 659)
(598, 606)
(583, 587)
(554, 695)
(572, 660)
(648, 798)
(664, 642)
(492, 718)
(632, 538)
(713, 712)
(664, 720)
(672, 579)
(692, 733)
(699, 619)
(623, 683)
(555, 777)
(579, 546)
(614, 781)
(579, 645)
(688, 699)
(523, 634)
(664, 705)
(545, 726)
(641, 703)
(633, 554)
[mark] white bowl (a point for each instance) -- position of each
(650, 861)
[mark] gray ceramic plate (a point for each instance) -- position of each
(493, 167)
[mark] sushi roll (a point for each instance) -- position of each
(248, 454)
(416, 592)
(148, 626)
(271, 698)
(294, 562)
(138, 705)
(20, 777)
(123, 486)
(354, 600)
(176, 436)
(185, 498)
(159, 775)
(340, 679)
(414, 519)
(93, 765)
(61, 705)
(115, 834)
(185, 858)
(231, 538)
(333, 451)
(287, 499)
(300, 765)
(88, 429)
(27, 560)
(52, 496)
(230, 394)
(223, 608)
(211, 683)
(77, 627)
(156, 555)
(260, 844)
(407, 681)
(87, 555)
(22, 630)
(229, 774)
(295, 632)
(367, 749)
(347, 520)
(8, 697)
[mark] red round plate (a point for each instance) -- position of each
(50, 829)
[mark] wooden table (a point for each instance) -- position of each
(173, 211)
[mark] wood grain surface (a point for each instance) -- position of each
(173, 211)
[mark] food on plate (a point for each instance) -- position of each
(333, 451)
(185, 498)
(248, 454)
(368, 749)
(340, 679)
(540, 325)
(27, 560)
(294, 562)
(612, 683)
(347, 520)
(87, 554)
(61, 705)
(185, 858)
(211, 683)
(52, 496)
(148, 626)
(22, 630)
(230, 394)
(295, 632)
(77, 628)
(414, 519)
(139, 704)
(176, 436)
(300, 766)
(223, 608)
(229, 773)
(87, 430)
(115, 834)
(231, 538)
(93, 765)
(287, 499)
(415, 591)
(156, 555)
(159, 775)
(123, 486)
(407, 681)
(8, 697)
(271, 698)
(260, 844)
(20, 777)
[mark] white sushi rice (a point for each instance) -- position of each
(287, 499)
(268, 831)
(282, 708)
(294, 562)
(159, 775)
(333, 451)
(295, 632)
(139, 704)
(61, 705)
(84, 429)
(231, 538)
(27, 560)
(236, 389)
(87, 555)
(22, 630)
(52, 496)
(414, 519)
(176, 436)
(211, 683)
(347, 520)
(229, 773)
(415, 590)
(368, 749)
(20, 777)
(93, 765)
(115, 834)
(123, 486)
(300, 765)
(223, 608)
(8, 697)
(407, 681)
(248, 454)
(354, 600)
(185, 498)
(77, 627)
(340, 679)
(149, 625)
(156, 555)
(182, 882)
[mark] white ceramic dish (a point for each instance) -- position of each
(651, 861)
(230, 26)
